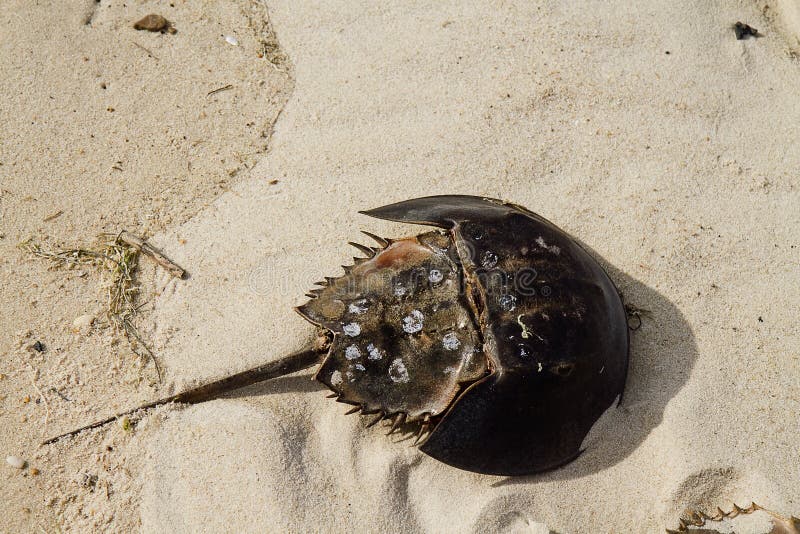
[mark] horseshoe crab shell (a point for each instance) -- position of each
(499, 334)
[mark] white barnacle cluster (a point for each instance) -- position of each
(413, 322)
(507, 302)
(358, 307)
(352, 376)
(352, 352)
(336, 378)
(352, 329)
(374, 352)
(398, 372)
(450, 341)
(488, 259)
(435, 276)
(552, 248)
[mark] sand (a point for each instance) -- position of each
(646, 130)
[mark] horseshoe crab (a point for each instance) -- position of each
(753, 520)
(497, 334)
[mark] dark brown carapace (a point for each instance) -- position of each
(497, 333)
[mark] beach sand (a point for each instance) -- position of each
(646, 130)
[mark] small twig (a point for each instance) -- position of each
(53, 216)
(152, 55)
(131, 330)
(153, 253)
(64, 397)
(219, 90)
(34, 376)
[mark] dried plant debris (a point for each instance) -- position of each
(743, 31)
(751, 520)
(117, 256)
(154, 23)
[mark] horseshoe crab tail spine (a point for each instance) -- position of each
(297, 361)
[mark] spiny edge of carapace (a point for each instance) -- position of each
(421, 425)
(329, 281)
(416, 425)
(371, 254)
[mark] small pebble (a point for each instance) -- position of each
(151, 23)
(34, 471)
(15, 461)
(231, 40)
(82, 324)
(743, 31)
